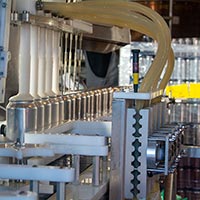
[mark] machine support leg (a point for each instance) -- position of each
(104, 168)
(96, 171)
(76, 164)
(34, 186)
(60, 191)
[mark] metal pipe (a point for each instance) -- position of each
(92, 105)
(88, 106)
(73, 99)
(65, 60)
(47, 112)
(110, 99)
(75, 61)
(61, 108)
(100, 103)
(60, 191)
(78, 106)
(76, 165)
(70, 60)
(104, 169)
(96, 104)
(96, 171)
(83, 106)
(67, 108)
(80, 57)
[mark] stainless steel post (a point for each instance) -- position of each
(104, 169)
(88, 106)
(76, 165)
(92, 104)
(78, 106)
(21, 118)
(47, 112)
(73, 99)
(96, 104)
(61, 108)
(54, 110)
(67, 108)
(60, 191)
(96, 171)
(40, 114)
(100, 103)
(34, 186)
(83, 106)
(110, 99)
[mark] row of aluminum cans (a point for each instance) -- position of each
(188, 178)
(184, 111)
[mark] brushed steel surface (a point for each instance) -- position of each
(21, 118)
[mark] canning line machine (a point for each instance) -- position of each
(62, 141)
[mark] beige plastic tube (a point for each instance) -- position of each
(34, 62)
(41, 62)
(93, 12)
(169, 71)
(55, 75)
(130, 15)
(24, 65)
(92, 8)
(49, 63)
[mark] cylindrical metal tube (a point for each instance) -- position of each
(96, 104)
(110, 99)
(61, 108)
(67, 108)
(54, 110)
(83, 106)
(34, 186)
(100, 103)
(88, 106)
(96, 171)
(105, 101)
(76, 165)
(78, 106)
(73, 99)
(47, 112)
(21, 118)
(40, 114)
(92, 104)
(60, 191)
(104, 169)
